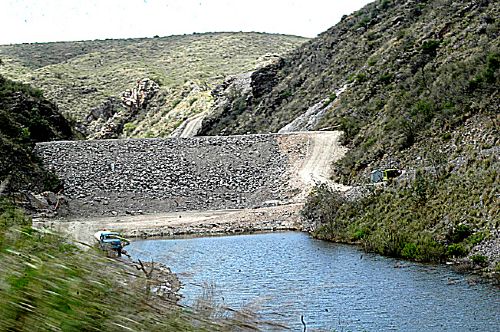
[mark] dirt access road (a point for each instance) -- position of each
(324, 149)
(308, 167)
(190, 127)
(268, 219)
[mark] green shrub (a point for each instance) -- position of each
(421, 187)
(385, 4)
(425, 110)
(350, 126)
(361, 77)
(409, 251)
(476, 238)
(286, 94)
(372, 61)
(492, 66)
(429, 250)
(362, 23)
(430, 46)
(459, 234)
(371, 141)
(330, 100)
(456, 250)
(129, 127)
(480, 260)
(176, 102)
(488, 73)
(386, 78)
(351, 78)
(359, 234)
(446, 136)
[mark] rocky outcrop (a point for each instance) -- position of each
(312, 117)
(111, 177)
(108, 119)
(233, 97)
(490, 249)
(105, 111)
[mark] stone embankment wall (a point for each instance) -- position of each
(116, 177)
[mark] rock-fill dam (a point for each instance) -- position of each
(116, 177)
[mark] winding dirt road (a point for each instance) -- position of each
(324, 149)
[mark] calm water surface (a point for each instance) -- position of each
(286, 275)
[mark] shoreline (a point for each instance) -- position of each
(191, 223)
(182, 225)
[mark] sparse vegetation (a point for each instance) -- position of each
(330, 100)
(129, 127)
(480, 260)
(79, 76)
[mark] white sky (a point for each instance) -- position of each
(24, 21)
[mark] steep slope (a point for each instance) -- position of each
(414, 85)
(388, 75)
(26, 118)
(92, 75)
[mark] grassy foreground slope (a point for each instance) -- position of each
(48, 284)
(414, 85)
(79, 76)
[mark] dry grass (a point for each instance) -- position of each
(184, 66)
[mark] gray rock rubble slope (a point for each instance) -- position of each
(114, 177)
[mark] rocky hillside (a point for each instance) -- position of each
(87, 79)
(392, 74)
(414, 85)
(26, 118)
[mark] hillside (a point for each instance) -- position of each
(26, 118)
(414, 85)
(92, 75)
(395, 76)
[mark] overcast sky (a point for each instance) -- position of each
(24, 21)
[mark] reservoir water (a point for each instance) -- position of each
(283, 276)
